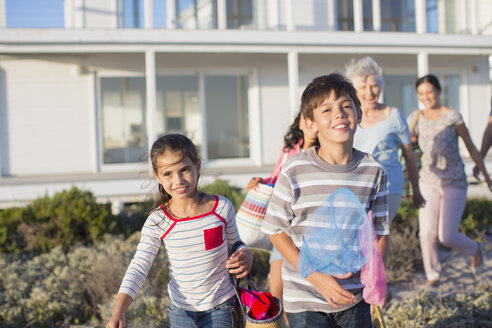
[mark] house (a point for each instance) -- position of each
(87, 85)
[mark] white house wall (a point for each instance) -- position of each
(48, 108)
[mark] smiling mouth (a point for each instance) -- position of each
(340, 126)
(179, 190)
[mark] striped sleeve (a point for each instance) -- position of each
(147, 250)
(379, 205)
(228, 213)
(279, 213)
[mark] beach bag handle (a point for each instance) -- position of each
(248, 322)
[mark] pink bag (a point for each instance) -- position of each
(373, 273)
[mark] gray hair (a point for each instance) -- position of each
(362, 68)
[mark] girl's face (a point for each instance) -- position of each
(178, 176)
(428, 95)
(368, 92)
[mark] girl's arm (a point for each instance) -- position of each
(462, 131)
(407, 152)
(327, 285)
(118, 319)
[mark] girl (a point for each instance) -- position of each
(297, 139)
(197, 231)
(442, 178)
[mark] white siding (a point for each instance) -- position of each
(48, 111)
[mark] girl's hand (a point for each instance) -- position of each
(117, 321)
(240, 262)
(253, 183)
(333, 293)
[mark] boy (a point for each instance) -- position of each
(332, 111)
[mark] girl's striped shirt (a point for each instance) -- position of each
(197, 249)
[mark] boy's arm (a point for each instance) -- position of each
(327, 285)
(383, 245)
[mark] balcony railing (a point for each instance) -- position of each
(421, 16)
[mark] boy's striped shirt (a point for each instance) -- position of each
(304, 183)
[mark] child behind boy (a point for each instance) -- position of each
(332, 111)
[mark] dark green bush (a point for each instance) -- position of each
(67, 217)
(477, 217)
(220, 187)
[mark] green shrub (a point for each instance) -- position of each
(70, 216)
(470, 309)
(220, 187)
(477, 217)
(57, 288)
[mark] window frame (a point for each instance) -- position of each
(254, 125)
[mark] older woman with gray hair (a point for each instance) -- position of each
(382, 131)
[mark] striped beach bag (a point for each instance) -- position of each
(250, 216)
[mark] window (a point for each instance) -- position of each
(367, 15)
(398, 16)
(447, 16)
(239, 14)
(133, 14)
(197, 14)
(399, 91)
(345, 15)
(124, 137)
(431, 16)
(34, 14)
(450, 95)
(227, 116)
(178, 107)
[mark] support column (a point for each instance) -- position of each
(358, 16)
(473, 17)
(148, 14)
(150, 97)
(221, 14)
(293, 69)
(422, 67)
(289, 15)
(423, 63)
(376, 15)
(420, 17)
(171, 18)
(3, 18)
(331, 16)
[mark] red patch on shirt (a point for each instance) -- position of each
(213, 237)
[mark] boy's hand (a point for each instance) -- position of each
(240, 262)
(333, 293)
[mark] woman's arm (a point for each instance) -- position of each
(462, 131)
(325, 284)
(118, 319)
(407, 152)
(486, 143)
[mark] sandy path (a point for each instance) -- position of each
(456, 276)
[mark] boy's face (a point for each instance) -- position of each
(335, 120)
